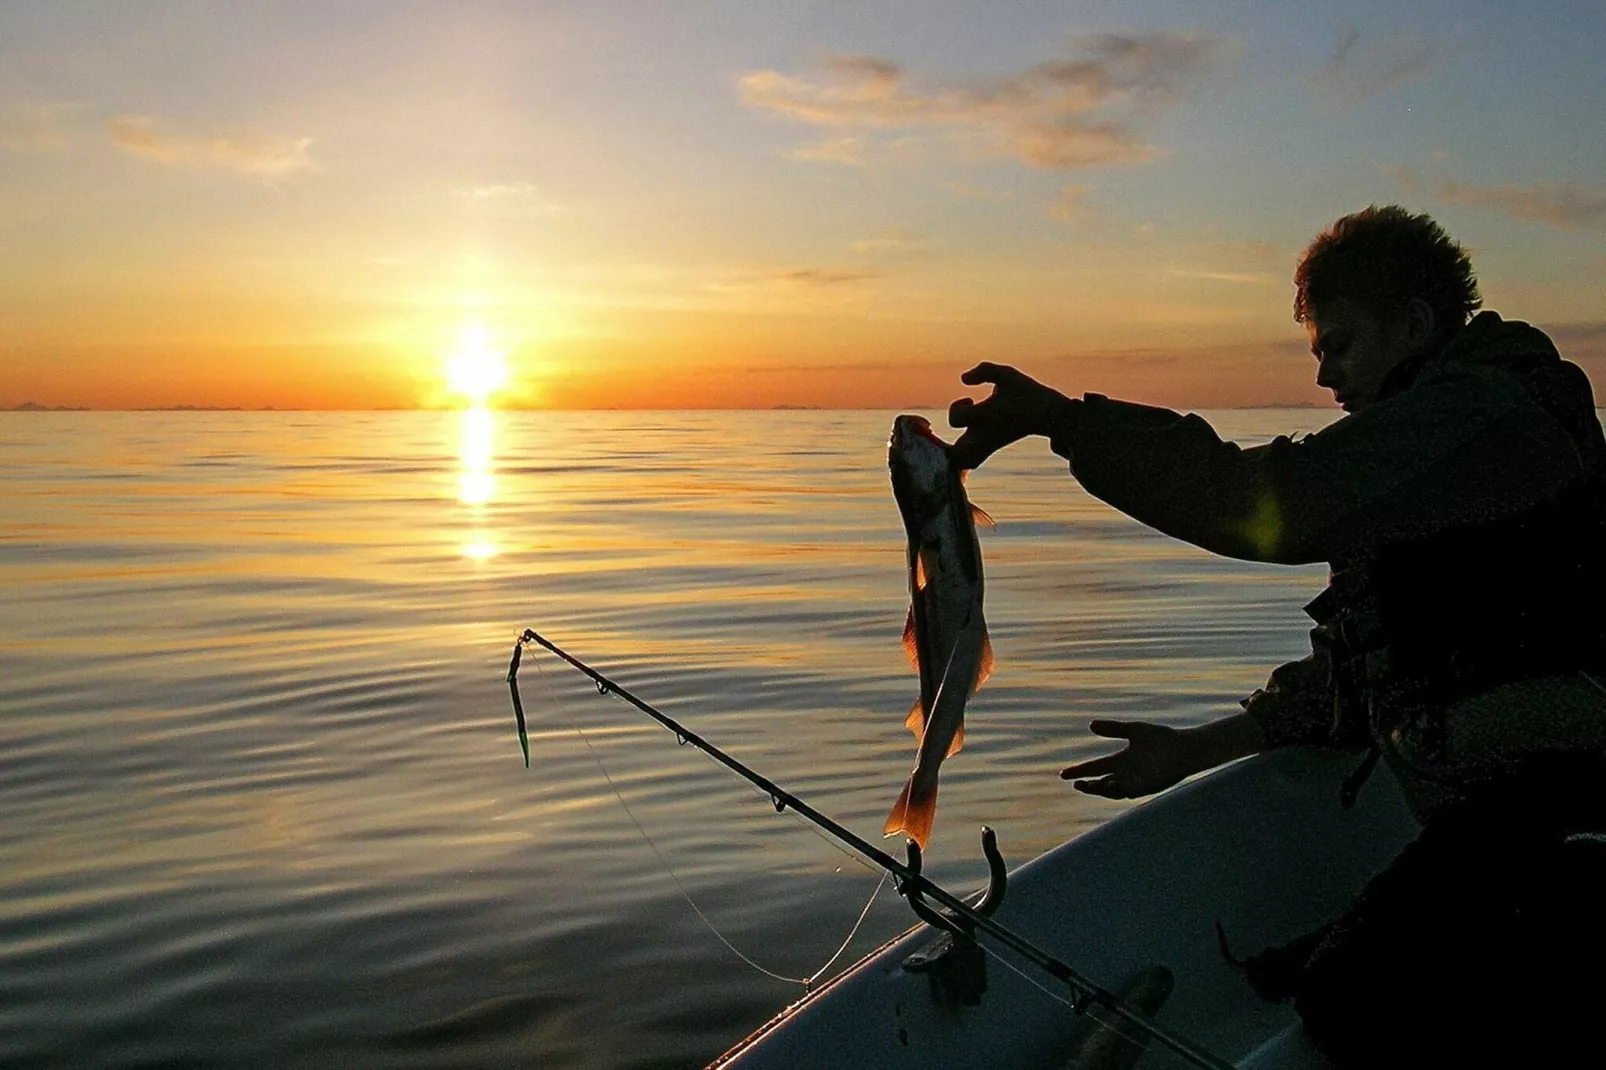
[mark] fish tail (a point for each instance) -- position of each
(914, 811)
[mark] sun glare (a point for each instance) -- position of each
(476, 370)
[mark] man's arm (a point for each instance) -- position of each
(1463, 448)
(1157, 756)
(1293, 708)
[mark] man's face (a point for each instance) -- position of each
(1355, 350)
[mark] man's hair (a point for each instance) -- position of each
(1383, 258)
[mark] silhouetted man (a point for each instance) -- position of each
(1461, 506)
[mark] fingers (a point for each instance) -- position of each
(1094, 766)
(1119, 729)
(992, 422)
(1107, 788)
(969, 450)
(985, 372)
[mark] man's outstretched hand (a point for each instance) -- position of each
(1156, 757)
(1018, 406)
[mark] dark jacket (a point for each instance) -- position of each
(1476, 471)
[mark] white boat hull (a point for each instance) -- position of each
(1262, 846)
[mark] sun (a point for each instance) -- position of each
(475, 370)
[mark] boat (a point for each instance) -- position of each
(1261, 847)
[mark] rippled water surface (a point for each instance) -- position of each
(263, 802)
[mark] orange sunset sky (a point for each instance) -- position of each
(743, 204)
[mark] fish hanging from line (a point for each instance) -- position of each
(946, 635)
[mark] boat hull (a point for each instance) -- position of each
(1261, 846)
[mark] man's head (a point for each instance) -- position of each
(1375, 289)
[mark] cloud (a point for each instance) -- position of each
(1074, 112)
(1259, 251)
(1565, 205)
(1580, 332)
(36, 129)
(1584, 343)
(862, 151)
(1237, 278)
(1070, 206)
(848, 151)
(820, 277)
(1362, 68)
(1561, 204)
(960, 189)
(268, 157)
(796, 281)
(514, 196)
(893, 244)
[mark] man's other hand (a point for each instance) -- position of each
(1018, 406)
(1155, 758)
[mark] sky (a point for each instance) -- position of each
(755, 204)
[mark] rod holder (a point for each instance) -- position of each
(947, 921)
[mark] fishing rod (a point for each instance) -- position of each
(910, 883)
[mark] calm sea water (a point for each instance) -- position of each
(262, 799)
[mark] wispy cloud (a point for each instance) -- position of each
(511, 196)
(863, 151)
(961, 189)
(892, 245)
(267, 157)
(1580, 332)
(825, 283)
(1082, 110)
(36, 129)
(1257, 251)
(1565, 205)
(1070, 206)
(819, 277)
(1583, 342)
(847, 151)
(1237, 278)
(1363, 67)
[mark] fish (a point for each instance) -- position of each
(945, 634)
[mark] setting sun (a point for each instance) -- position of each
(476, 370)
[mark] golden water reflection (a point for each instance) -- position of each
(476, 478)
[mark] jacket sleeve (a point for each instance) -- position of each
(1295, 706)
(1463, 448)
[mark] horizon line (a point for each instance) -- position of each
(33, 408)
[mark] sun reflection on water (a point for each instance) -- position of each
(476, 449)
(476, 479)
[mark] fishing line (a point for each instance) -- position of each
(806, 982)
(1018, 972)
(1103, 1021)
(907, 878)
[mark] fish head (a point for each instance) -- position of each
(918, 460)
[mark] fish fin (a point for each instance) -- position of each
(914, 812)
(979, 515)
(911, 641)
(985, 668)
(959, 740)
(916, 721)
(923, 571)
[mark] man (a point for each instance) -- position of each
(1461, 506)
